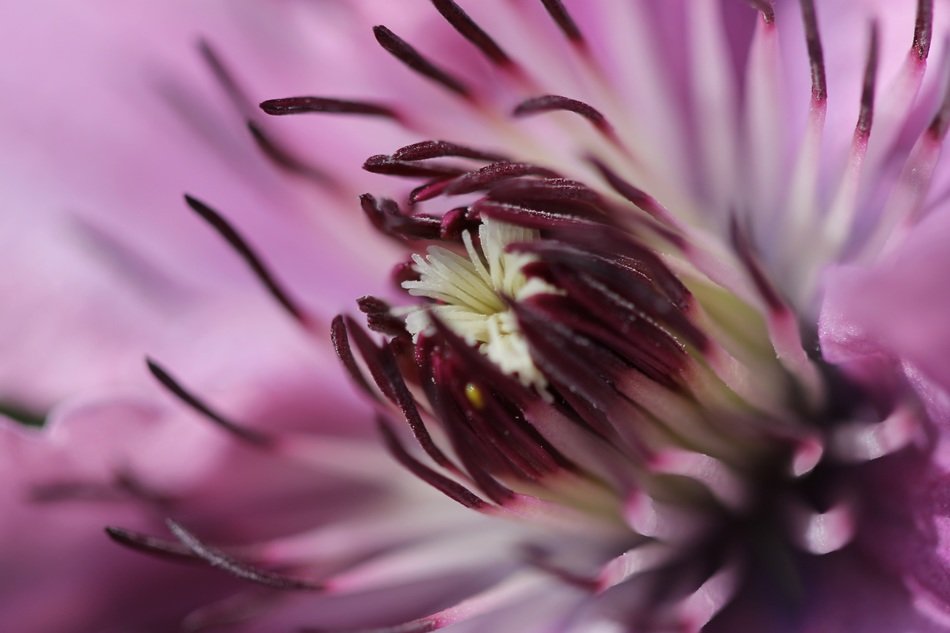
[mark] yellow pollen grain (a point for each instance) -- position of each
(475, 396)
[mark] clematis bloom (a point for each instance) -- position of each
(644, 332)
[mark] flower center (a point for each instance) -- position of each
(472, 293)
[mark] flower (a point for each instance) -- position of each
(653, 353)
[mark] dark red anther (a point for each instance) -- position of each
(283, 158)
(151, 545)
(454, 222)
(765, 8)
(341, 345)
(385, 372)
(245, 571)
(404, 52)
(555, 103)
(388, 166)
(446, 486)
(923, 28)
(379, 317)
(564, 21)
(225, 77)
(326, 105)
(250, 257)
(390, 219)
(468, 29)
(494, 173)
(866, 113)
(242, 433)
(816, 55)
(439, 149)
(429, 190)
(941, 121)
(743, 248)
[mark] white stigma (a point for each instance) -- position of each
(470, 290)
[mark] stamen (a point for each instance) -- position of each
(425, 150)
(554, 103)
(388, 166)
(173, 386)
(224, 77)
(257, 265)
(493, 173)
(765, 8)
(385, 372)
(389, 219)
(404, 52)
(453, 490)
(468, 29)
(151, 545)
(923, 28)
(565, 22)
(219, 559)
(327, 105)
(816, 56)
(866, 115)
(281, 157)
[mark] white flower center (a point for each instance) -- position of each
(470, 290)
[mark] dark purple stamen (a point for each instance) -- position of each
(388, 166)
(175, 388)
(744, 249)
(282, 157)
(379, 317)
(257, 265)
(816, 56)
(220, 560)
(765, 8)
(923, 28)
(385, 372)
(225, 77)
(555, 103)
(468, 29)
(151, 545)
(451, 489)
(390, 219)
(404, 52)
(866, 114)
(494, 173)
(341, 345)
(440, 149)
(941, 121)
(326, 105)
(564, 21)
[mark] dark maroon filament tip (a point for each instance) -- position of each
(941, 121)
(446, 486)
(439, 149)
(196, 403)
(404, 52)
(564, 21)
(224, 76)
(866, 113)
(240, 245)
(220, 560)
(923, 28)
(283, 159)
(468, 29)
(557, 103)
(746, 253)
(326, 105)
(816, 55)
(765, 8)
(150, 545)
(341, 345)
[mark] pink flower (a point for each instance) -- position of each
(676, 351)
